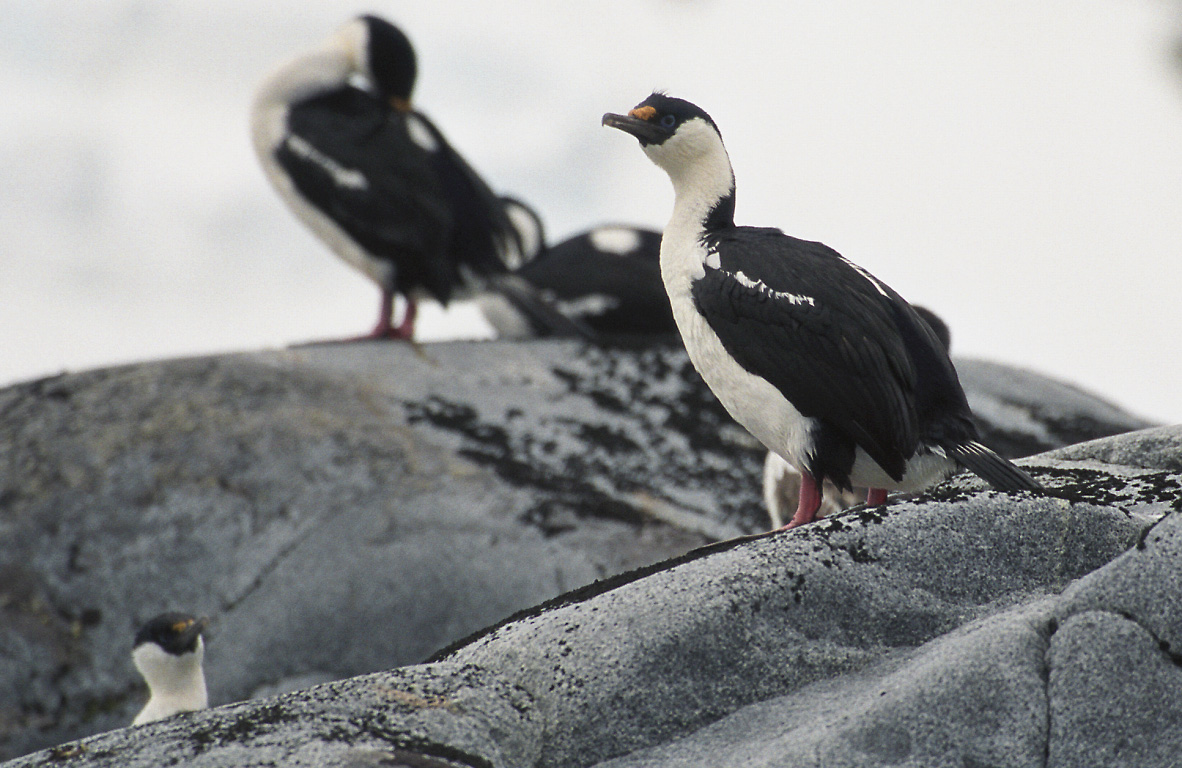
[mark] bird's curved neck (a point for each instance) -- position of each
(324, 69)
(318, 71)
(722, 215)
(704, 193)
(704, 202)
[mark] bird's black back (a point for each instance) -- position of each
(636, 301)
(426, 211)
(856, 358)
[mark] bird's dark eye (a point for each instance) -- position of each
(668, 121)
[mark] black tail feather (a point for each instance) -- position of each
(993, 469)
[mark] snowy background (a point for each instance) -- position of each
(1015, 166)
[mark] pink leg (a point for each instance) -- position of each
(875, 496)
(406, 329)
(810, 502)
(385, 309)
(385, 329)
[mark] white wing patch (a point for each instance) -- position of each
(878, 286)
(349, 178)
(421, 134)
(759, 285)
(615, 240)
(589, 305)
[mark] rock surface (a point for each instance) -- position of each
(963, 628)
(1021, 412)
(341, 509)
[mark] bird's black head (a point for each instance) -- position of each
(176, 633)
(938, 326)
(391, 59)
(657, 118)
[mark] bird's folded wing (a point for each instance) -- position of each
(484, 236)
(833, 355)
(350, 159)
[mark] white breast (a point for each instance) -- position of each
(750, 400)
(175, 683)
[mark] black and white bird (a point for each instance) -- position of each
(375, 179)
(822, 362)
(607, 279)
(168, 652)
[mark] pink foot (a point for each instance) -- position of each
(876, 496)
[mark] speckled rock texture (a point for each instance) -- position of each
(343, 509)
(964, 627)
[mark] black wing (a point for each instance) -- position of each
(827, 335)
(483, 230)
(425, 210)
(633, 297)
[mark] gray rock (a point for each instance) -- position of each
(1021, 412)
(303, 498)
(1156, 448)
(963, 628)
(342, 509)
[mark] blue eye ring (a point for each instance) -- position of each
(668, 121)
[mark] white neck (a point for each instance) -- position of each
(700, 169)
(175, 683)
(323, 69)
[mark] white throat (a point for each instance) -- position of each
(175, 683)
(700, 169)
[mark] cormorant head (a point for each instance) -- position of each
(390, 59)
(169, 652)
(681, 139)
(174, 633)
(661, 120)
(938, 326)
